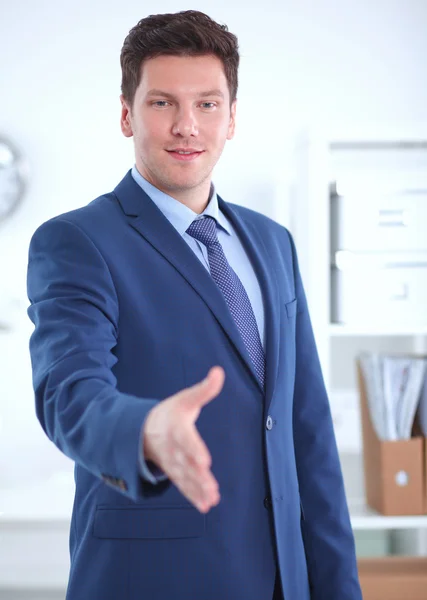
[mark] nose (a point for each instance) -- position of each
(185, 124)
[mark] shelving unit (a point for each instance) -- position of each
(317, 154)
(336, 330)
(363, 518)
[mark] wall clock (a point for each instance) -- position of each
(12, 178)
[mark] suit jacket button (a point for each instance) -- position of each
(267, 502)
(269, 423)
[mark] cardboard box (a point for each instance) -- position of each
(425, 476)
(393, 578)
(395, 472)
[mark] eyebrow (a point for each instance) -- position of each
(207, 94)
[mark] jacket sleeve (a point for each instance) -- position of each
(75, 311)
(326, 527)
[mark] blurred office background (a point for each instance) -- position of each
(326, 88)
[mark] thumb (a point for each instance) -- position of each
(203, 392)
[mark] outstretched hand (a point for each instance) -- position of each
(172, 442)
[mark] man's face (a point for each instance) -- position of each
(182, 103)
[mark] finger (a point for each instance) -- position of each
(195, 481)
(209, 495)
(200, 487)
(203, 502)
(203, 392)
(186, 447)
(201, 491)
(188, 441)
(201, 479)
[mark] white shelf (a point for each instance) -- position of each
(337, 330)
(371, 132)
(364, 518)
(51, 503)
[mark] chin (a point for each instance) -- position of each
(183, 183)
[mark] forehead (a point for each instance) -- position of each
(183, 74)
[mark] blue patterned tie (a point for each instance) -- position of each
(232, 289)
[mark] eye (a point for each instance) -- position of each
(160, 103)
(208, 105)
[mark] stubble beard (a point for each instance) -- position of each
(165, 179)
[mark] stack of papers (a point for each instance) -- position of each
(396, 388)
(422, 409)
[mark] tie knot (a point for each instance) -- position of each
(204, 230)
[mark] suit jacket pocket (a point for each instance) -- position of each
(291, 308)
(148, 523)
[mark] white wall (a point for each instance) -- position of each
(302, 63)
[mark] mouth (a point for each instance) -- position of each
(185, 155)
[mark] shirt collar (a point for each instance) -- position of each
(179, 215)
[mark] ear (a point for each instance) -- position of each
(232, 123)
(126, 118)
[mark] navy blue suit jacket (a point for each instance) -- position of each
(126, 315)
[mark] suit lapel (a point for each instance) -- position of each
(254, 245)
(144, 216)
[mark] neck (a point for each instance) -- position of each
(196, 198)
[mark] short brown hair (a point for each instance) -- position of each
(187, 33)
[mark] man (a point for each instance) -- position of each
(174, 360)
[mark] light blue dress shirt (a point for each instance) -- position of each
(181, 217)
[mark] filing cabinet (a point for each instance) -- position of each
(379, 290)
(379, 223)
(379, 259)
